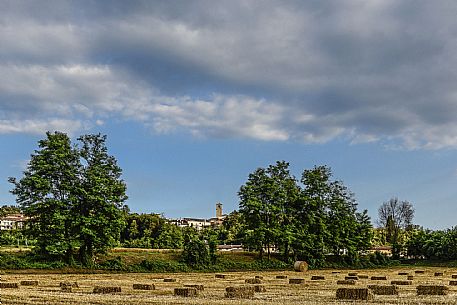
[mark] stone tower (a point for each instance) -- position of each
(218, 210)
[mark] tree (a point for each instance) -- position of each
(395, 216)
(46, 194)
(265, 201)
(73, 196)
(101, 198)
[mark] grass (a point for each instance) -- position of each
(278, 290)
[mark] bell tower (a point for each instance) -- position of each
(218, 210)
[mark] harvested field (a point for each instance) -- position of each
(272, 291)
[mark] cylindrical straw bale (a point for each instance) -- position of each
(301, 266)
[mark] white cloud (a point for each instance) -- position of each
(303, 71)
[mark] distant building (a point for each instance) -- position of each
(12, 221)
(201, 223)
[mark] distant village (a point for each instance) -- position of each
(15, 221)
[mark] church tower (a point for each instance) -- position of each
(218, 210)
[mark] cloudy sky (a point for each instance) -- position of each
(194, 95)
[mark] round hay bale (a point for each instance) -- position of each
(454, 276)
(410, 277)
(403, 273)
(301, 266)
(419, 272)
(452, 283)
(363, 276)
(220, 276)
(439, 273)
(352, 274)
(281, 277)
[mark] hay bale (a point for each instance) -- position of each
(144, 286)
(383, 289)
(397, 282)
(419, 272)
(186, 292)
(356, 278)
(29, 283)
(281, 277)
(379, 278)
(169, 280)
(242, 292)
(106, 289)
(363, 276)
(69, 284)
(336, 272)
(301, 266)
(259, 277)
(353, 294)
(454, 276)
(317, 278)
(432, 290)
(9, 285)
(438, 273)
(452, 283)
(253, 281)
(296, 281)
(352, 273)
(220, 276)
(346, 282)
(410, 277)
(403, 273)
(260, 288)
(196, 286)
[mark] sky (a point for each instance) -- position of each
(195, 95)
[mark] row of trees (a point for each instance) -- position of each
(441, 244)
(73, 195)
(306, 219)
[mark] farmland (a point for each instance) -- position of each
(278, 291)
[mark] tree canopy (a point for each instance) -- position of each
(73, 196)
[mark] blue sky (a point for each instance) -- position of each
(196, 95)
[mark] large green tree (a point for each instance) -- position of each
(102, 193)
(72, 195)
(46, 194)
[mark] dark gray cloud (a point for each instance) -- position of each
(271, 70)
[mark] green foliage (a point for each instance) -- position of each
(437, 245)
(195, 252)
(73, 197)
(151, 231)
(310, 220)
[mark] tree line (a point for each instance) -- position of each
(75, 197)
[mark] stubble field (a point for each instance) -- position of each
(278, 291)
